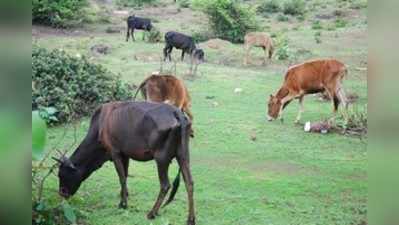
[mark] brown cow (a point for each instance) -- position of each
(167, 89)
(308, 78)
(258, 39)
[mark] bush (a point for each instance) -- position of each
(340, 23)
(282, 18)
(316, 25)
(283, 51)
(154, 35)
(228, 19)
(294, 7)
(271, 6)
(317, 37)
(59, 13)
(135, 3)
(201, 36)
(67, 86)
(184, 3)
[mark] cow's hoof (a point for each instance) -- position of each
(151, 215)
(191, 221)
(297, 121)
(122, 205)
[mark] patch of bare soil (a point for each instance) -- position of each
(147, 56)
(39, 31)
(216, 43)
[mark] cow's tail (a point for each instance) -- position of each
(175, 187)
(182, 152)
(139, 88)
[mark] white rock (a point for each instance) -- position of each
(306, 128)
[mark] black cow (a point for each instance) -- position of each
(134, 22)
(142, 131)
(183, 42)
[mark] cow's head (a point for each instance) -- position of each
(70, 177)
(149, 27)
(274, 107)
(199, 55)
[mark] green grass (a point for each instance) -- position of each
(285, 176)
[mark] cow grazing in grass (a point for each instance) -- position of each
(167, 89)
(134, 22)
(142, 131)
(185, 43)
(258, 39)
(308, 78)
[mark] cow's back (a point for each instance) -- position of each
(313, 75)
(135, 125)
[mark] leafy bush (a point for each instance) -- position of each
(282, 18)
(228, 19)
(316, 25)
(270, 6)
(201, 36)
(71, 85)
(135, 3)
(294, 7)
(340, 23)
(59, 13)
(317, 37)
(154, 35)
(283, 51)
(184, 3)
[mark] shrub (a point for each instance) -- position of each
(282, 18)
(317, 37)
(316, 25)
(201, 36)
(283, 51)
(64, 86)
(228, 19)
(59, 13)
(340, 23)
(184, 3)
(271, 6)
(154, 35)
(294, 7)
(135, 3)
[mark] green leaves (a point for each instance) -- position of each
(38, 136)
(69, 212)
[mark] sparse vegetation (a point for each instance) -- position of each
(294, 7)
(269, 6)
(135, 3)
(316, 25)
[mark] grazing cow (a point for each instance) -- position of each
(134, 22)
(258, 39)
(183, 42)
(167, 89)
(309, 78)
(142, 131)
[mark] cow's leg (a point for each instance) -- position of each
(127, 34)
(247, 48)
(265, 57)
(132, 32)
(182, 55)
(188, 180)
(170, 53)
(165, 52)
(125, 161)
(164, 187)
(301, 109)
(120, 169)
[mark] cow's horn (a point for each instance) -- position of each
(58, 160)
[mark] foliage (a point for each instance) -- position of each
(282, 18)
(135, 3)
(316, 25)
(184, 3)
(154, 35)
(59, 13)
(283, 51)
(340, 23)
(201, 36)
(294, 7)
(38, 136)
(70, 85)
(354, 121)
(317, 37)
(228, 19)
(270, 6)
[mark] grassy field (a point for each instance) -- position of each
(285, 176)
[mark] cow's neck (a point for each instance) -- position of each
(89, 158)
(282, 93)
